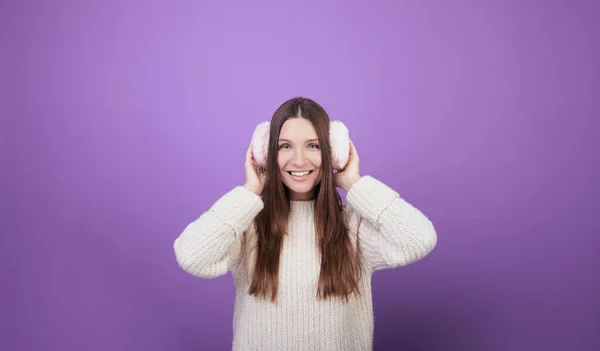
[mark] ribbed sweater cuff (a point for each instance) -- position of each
(238, 208)
(370, 197)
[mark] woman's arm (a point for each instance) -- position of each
(392, 232)
(210, 244)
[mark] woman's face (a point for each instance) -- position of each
(299, 158)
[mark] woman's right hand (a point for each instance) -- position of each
(255, 176)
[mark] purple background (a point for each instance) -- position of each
(123, 122)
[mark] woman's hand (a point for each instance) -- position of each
(255, 176)
(351, 173)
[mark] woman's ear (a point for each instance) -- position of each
(260, 144)
(340, 144)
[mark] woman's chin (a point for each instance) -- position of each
(303, 191)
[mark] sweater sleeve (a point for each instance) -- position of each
(208, 246)
(392, 232)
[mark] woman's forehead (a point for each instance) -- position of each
(297, 129)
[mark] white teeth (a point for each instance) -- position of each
(300, 174)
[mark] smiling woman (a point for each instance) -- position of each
(301, 260)
(299, 158)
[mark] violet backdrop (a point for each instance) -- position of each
(122, 121)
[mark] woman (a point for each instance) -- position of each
(301, 260)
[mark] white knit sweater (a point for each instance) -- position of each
(391, 233)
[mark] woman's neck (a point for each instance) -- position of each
(308, 196)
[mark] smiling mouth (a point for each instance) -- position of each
(299, 174)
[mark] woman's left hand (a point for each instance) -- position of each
(351, 173)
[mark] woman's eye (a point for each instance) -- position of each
(314, 146)
(284, 146)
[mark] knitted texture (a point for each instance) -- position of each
(390, 232)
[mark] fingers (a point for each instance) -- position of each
(249, 157)
(353, 149)
(249, 151)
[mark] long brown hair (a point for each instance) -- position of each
(340, 261)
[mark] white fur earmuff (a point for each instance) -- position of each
(338, 138)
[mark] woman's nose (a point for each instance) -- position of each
(298, 158)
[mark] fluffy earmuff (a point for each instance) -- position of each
(338, 138)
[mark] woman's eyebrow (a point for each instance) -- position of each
(308, 141)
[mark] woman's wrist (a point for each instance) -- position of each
(252, 188)
(351, 182)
